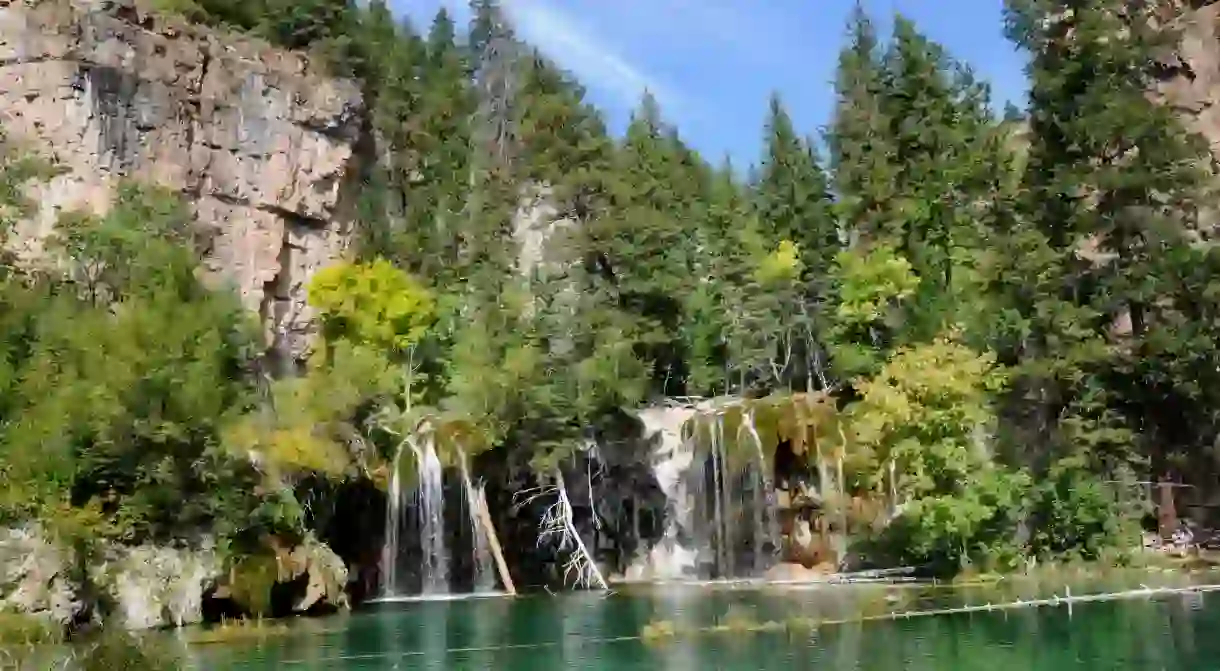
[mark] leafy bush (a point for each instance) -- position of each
(975, 527)
(1076, 513)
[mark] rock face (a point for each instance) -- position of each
(258, 140)
(1190, 81)
(1192, 72)
(155, 586)
(149, 586)
(33, 576)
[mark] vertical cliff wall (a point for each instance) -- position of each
(258, 140)
(1190, 81)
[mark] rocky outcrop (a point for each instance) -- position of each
(258, 140)
(147, 586)
(34, 576)
(1191, 74)
(152, 586)
(323, 572)
(1190, 81)
(283, 579)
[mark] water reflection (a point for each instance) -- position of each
(594, 632)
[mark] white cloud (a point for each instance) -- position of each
(578, 48)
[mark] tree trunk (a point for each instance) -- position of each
(494, 541)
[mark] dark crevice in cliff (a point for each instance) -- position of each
(195, 103)
(279, 355)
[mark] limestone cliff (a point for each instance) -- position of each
(258, 140)
(1191, 73)
(1190, 80)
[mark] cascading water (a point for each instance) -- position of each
(741, 504)
(393, 525)
(766, 520)
(430, 506)
(675, 556)
(722, 520)
(428, 502)
(484, 571)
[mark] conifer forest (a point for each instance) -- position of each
(957, 338)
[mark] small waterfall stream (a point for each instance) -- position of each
(427, 501)
(744, 524)
(430, 506)
(421, 556)
(393, 526)
(484, 571)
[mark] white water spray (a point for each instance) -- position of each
(430, 507)
(428, 501)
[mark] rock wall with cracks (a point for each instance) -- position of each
(1189, 83)
(258, 140)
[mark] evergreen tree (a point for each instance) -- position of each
(860, 156)
(795, 206)
(1113, 187)
(941, 131)
(793, 195)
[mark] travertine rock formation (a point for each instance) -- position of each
(258, 139)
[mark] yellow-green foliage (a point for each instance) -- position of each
(308, 429)
(922, 411)
(870, 283)
(375, 304)
(250, 581)
(186, 8)
(24, 629)
(782, 265)
(237, 631)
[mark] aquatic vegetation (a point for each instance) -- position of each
(237, 631)
(25, 629)
(98, 648)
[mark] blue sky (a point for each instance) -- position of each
(713, 63)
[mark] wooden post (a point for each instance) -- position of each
(494, 540)
(1167, 514)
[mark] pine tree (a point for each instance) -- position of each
(795, 207)
(793, 195)
(942, 134)
(1113, 188)
(564, 141)
(859, 156)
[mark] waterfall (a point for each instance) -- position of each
(484, 572)
(720, 503)
(766, 519)
(741, 506)
(720, 497)
(430, 507)
(393, 524)
(428, 501)
(672, 457)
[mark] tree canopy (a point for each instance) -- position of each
(1012, 332)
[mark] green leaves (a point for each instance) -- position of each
(118, 377)
(870, 285)
(1005, 311)
(372, 304)
(924, 411)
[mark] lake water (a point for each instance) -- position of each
(593, 632)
